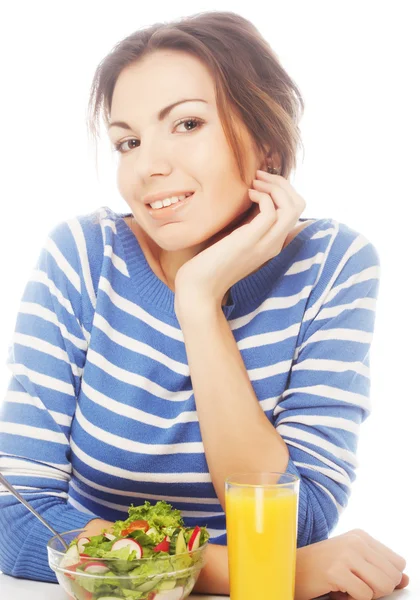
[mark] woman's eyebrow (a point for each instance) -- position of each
(161, 115)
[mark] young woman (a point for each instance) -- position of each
(210, 330)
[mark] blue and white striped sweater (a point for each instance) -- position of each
(100, 410)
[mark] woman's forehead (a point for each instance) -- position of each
(166, 73)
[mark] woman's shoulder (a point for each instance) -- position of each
(351, 244)
(333, 237)
(82, 232)
(335, 251)
(75, 247)
(346, 256)
(97, 221)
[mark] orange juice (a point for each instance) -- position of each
(261, 536)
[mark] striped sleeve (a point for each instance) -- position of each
(46, 360)
(327, 397)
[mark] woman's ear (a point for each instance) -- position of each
(274, 160)
(270, 158)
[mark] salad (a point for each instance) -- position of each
(149, 556)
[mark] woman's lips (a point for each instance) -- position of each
(169, 212)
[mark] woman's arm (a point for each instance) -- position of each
(236, 433)
(317, 418)
(214, 577)
(327, 566)
(46, 361)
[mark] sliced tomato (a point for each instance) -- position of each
(136, 525)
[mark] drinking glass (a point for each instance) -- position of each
(261, 525)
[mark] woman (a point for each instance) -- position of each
(159, 351)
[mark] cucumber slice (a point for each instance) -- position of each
(175, 594)
(96, 568)
(146, 586)
(177, 544)
(71, 557)
(181, 546)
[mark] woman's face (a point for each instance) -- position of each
(164, 155)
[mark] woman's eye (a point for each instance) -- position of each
(118, 147)
(197, 122)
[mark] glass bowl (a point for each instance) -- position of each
(172, 577)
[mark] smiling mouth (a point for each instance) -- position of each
(170, 210)
(187, 195)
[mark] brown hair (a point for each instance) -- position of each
(249, 79)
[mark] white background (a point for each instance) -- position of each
(357, 65)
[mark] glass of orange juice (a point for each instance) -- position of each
(261, 526)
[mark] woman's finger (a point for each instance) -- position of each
(281, 197)
(377, 579)
(284, 184)
(266, 218)
(382, 562)
(354, 586)
(292, 204)
(398, 561)
(405, 580)
(272, 242)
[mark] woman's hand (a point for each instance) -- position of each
(353, 566)
(212, 272)
(95, 527)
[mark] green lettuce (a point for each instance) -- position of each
(204, 536)
(143, 539)
(158, 515)
(98, 548)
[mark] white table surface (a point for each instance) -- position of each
(12, 588)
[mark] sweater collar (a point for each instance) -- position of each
(245, 295)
